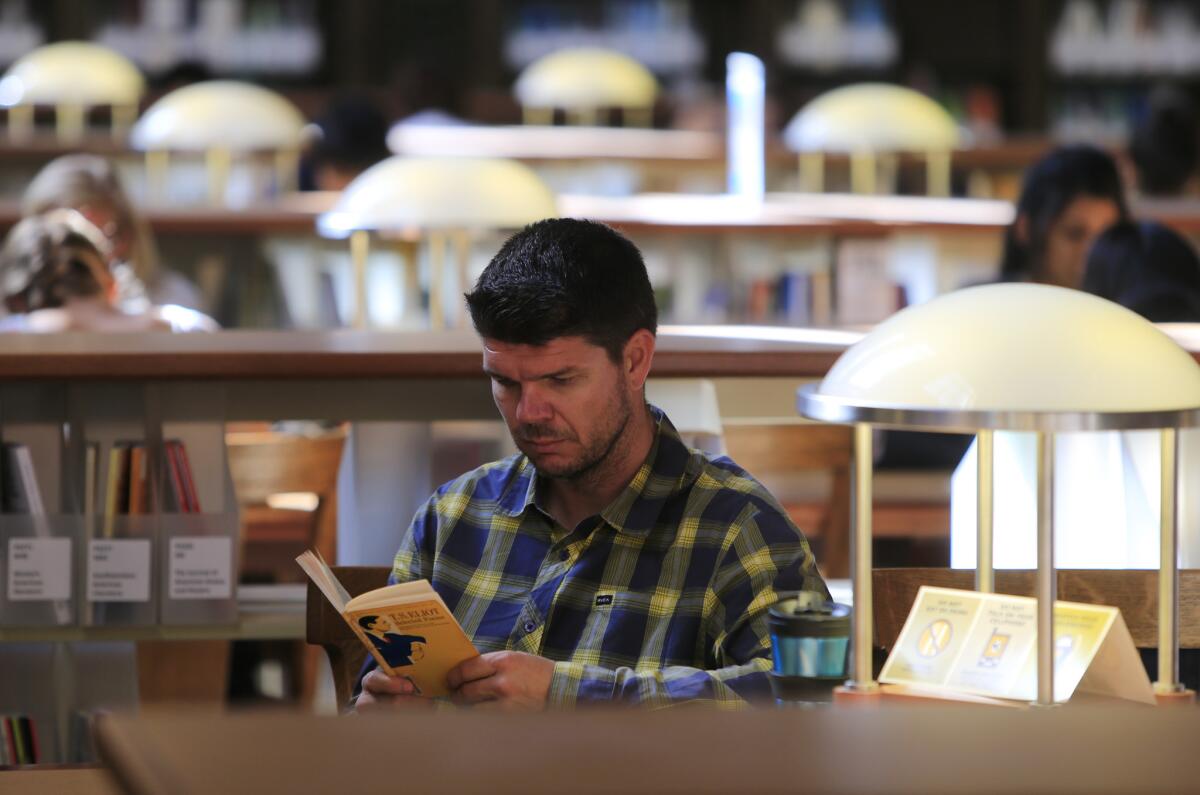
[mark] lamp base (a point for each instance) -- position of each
(851, 696)
(905, 694)
(1176, 698)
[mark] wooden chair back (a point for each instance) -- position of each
(1135, 592)
(326, 628)
(804, 448)
(263, 464)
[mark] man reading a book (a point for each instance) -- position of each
(607, 562)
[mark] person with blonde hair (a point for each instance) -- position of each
(55, 276)
(90, 185)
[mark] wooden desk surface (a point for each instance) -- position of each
(685, 352)
(55, 780)
(923, 749)
(681, 213)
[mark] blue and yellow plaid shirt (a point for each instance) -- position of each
(661, 598)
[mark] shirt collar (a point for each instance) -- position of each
(667, 470)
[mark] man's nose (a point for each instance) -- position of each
(533, 407)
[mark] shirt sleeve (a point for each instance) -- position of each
(767, 555)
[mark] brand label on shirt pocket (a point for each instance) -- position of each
(604, 599)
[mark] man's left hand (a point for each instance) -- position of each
(507, 680)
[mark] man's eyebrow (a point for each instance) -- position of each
(565, 371)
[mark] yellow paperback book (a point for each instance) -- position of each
(407, 627)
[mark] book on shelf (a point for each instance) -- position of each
(20, 485)
(407, 627)
(127, 487)
(18, 740)
(180, 493)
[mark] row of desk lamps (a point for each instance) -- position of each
(441, 202)
(985, 359)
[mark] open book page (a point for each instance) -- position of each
(415, 591)
(319, 572)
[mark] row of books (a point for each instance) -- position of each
(18, 740)
(126, 488)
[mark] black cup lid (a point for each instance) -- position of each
(805, 615)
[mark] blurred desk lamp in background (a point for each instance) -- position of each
(441, 200)
(1013, 357)
(220, 120)
(872, 123)
(585, 82)
(73, 77)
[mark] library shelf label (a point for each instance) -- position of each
(201, 567)
(39, 569)
(119, 570)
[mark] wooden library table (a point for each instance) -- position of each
(683, 351)
(57, 780)
(914, 749)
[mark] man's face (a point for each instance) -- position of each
(565, 402)
(377, 626)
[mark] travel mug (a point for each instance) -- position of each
(809, 640)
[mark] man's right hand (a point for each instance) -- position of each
(382, 692)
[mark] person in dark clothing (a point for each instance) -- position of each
(1165, 146)
(1147, 268)
(1069, 197)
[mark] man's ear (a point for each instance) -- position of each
(1021, 229)
(638, 356)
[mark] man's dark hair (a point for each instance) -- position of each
(1064, 175)
(564, 277)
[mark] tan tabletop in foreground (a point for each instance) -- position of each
(52, 780)
(926, 750)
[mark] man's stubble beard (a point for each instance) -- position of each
(600, 452)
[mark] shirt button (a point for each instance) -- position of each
(530, 627)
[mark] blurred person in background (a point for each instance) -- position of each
(55, 276)
(348, 138)
(1069, 197)
(1165, 146)
(89, 184)
(1148, 268)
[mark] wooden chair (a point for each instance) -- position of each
(266, 464)
(817, 447)
(325, 627)
(762, 449)
(1135, 592)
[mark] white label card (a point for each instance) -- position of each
(119, 571)
(201, 568)
(39, 569)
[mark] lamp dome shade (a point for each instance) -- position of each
(403, 193)
(586, 77)
(72, 72)
(875, 117)
(1017, 347)
(219, 113)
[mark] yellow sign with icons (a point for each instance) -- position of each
(986, 644)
